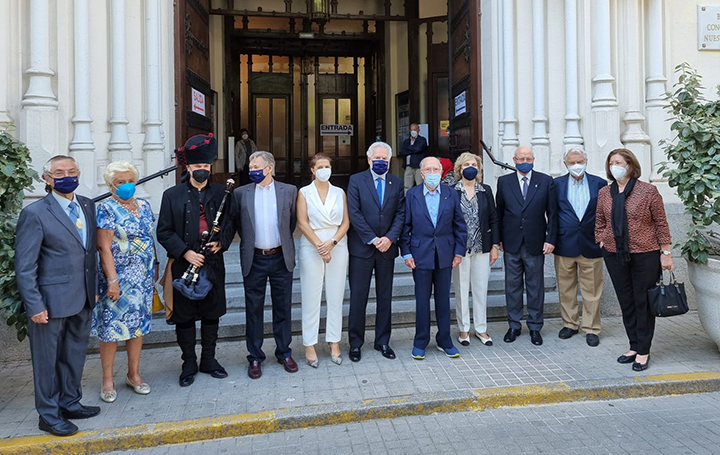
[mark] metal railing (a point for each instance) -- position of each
(162, 173)
(492, 158)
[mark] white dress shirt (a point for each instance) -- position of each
(267, 232)
(65, 205)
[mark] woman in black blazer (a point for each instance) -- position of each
(478, 206)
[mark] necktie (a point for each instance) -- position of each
(379, 188)
(75, 218)
(525, 187)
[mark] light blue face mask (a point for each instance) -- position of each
(432, 180)
(125, 191)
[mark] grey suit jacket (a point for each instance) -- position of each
(54, 270)
(244, 222)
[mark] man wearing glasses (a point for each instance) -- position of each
(526, 207)
(55, 254)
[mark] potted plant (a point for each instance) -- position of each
(16, 176)
(694, 171)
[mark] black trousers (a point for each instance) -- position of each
(525, 272)
(270, 268)
(361, 270)
(631, 282)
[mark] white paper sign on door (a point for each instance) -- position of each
(198, 102)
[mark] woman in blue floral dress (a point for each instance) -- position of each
(129, 269)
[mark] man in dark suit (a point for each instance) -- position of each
(55, 268)
(433, 242)
(188, 209)
(577, 256)
(526, 207)
(412, 151)
(376, 205)
(264, 216)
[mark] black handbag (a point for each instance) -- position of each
(667, 299)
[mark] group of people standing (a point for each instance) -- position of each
(445, 234)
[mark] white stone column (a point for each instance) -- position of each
(153, 146)
(540, 141)
(658, 127)
(38, 122)
(573, 137)
(5, 118)
(501, 80)
(634, 136)
(510, 140)
(119, 145)
(82, 147)
(605, 114)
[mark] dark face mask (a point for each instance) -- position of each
(470, 173)
(66, 185)
(380, 167)
(200, 175)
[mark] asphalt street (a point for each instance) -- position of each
(672, 425)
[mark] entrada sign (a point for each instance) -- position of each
(336, 130)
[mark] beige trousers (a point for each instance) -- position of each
(589, 272)
(412, 177)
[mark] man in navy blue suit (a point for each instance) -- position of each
(527, 213)
(376, 205)
(577, 256)
(412, 151)
(433, 242)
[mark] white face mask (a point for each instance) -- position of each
(323, 174)
(245, 137)
(577, 170)
(413, 133)
(618, 172)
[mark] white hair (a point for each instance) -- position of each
(116, 167)
(430, 158)
(265, 156)
(47, 167)
(574, 150)
(379, 144)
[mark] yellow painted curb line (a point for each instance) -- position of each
(152, 435)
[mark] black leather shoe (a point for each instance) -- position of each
(186, 381)
(592, 339)
(536, 338)
(214, 369)
(511, 335)
(566, 332)
(84, 413)
(63, 428)
(386, 351)
(626, 358)
(355, 354)
(641, 366)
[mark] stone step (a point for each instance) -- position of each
(232, 325)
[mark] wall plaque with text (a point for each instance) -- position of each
(708, 27)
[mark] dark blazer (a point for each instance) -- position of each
(489, 227)
(421, 239)
(577, 237)
(417, 151)
(368, 220)
(533, 220)
(54, 270)
(244, 222)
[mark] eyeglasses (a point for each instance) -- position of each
(524, 160)
(61, 174)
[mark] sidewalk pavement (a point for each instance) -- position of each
(683, 360)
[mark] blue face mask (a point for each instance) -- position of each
(380, 167)
(257, 175)
(66, 185)
(432, 180)
(125, 191)
(470, 173)
(524, 168)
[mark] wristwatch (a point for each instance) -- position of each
(335, 242)
(666, 252)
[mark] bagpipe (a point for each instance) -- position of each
(195, 283)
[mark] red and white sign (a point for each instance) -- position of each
(198, 102)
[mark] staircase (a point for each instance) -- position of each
(232, 325)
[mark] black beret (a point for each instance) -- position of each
(200, 149)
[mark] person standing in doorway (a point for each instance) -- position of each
(414, 150)
(244, 147)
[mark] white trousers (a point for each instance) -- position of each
(314, 272)
(473, 271)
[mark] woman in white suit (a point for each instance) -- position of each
(322, 216)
